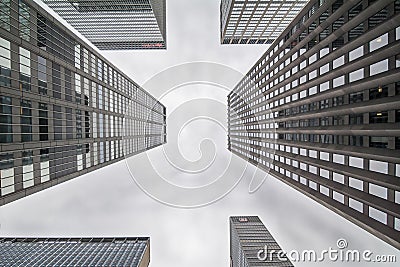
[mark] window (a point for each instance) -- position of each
(356, 183)
(378, 117)
(7, 173)
(44, 165)
(379, 141)
(5, 63)
(78, 89)
(68, 85)
(27, 169)
(56, 81)
(378, 42)
(42, 75)
(43, 122)
(6, 119)
(24, 21)
(379, 67)
(356, 75)
(5, 14)
(378, 215)
(26, 120)
(57, 122)
(380, 92)
(356, 53)
(78, 124)
(77, 56)
(69, 123)
(24, 69)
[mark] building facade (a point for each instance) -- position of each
(324, 112)
(117, 24)
(36, 252)
(64, 109)
(256, 21)
(248, 236)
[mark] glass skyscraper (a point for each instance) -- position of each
(256, 21)
(249, 237)
(78, 252)
(321, 110)
(64, 109)
(116, 24)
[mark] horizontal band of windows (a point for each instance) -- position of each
(386, 181)
(371, 200)
(345, 28)
(365, 152)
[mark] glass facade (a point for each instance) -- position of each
(248, 236)
(35, 252)
(64, 109)
(256, 21)
(322, 112)
(118, 24)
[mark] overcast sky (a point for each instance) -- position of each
(108, 202)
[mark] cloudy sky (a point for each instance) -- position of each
(122, 199)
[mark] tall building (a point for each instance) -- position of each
(35, 252)
(256, 21)
(64, 109)
(321, 110)
(248, 236)
(117, 24)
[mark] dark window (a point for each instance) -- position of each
(42, 75)
(378, 141)
(338, 139)
(68, 85)
(26, 120)
(57, 121)
(326, 138)
(43, 122)
(356, 97)
(6, 119)
(313, 106)
(378, 117)
(379, 92)
(356, 140)
(69, 123)
(324, 104)
(356, 119)
(378, 18)
(338, 120)
(325, 121)
(78, 123)
(87, 124)
(56, 81)
(25, 82)
(338, 101)
(313, 122)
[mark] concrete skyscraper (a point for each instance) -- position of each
(52, 252)
(64, 109)
(321, 110)
(117, 24)
(249, 237)
(256, 21)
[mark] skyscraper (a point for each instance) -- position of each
(324, 112)
(256, 21)
(64, 109)
(36, 252)
(248, 236)
(117, 24)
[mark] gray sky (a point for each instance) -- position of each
(108, 202)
